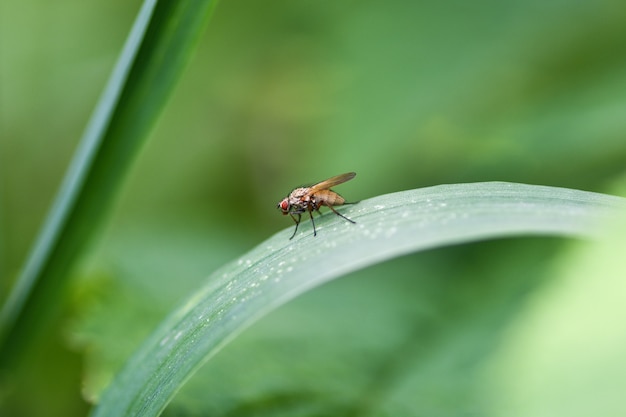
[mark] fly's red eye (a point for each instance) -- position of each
(284, 205)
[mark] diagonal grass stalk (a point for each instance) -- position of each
(160, 43)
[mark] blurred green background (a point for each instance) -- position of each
(280, 93)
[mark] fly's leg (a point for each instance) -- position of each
(313, 222)
(341, 215)
(297, 223)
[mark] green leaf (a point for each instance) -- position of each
(280, 269)
(156, 51)
(567, 348)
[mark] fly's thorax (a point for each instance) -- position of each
(299, 199)
(298, 193)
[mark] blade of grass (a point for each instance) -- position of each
(159, 45)
(279, 269)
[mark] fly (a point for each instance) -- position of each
(312, 198)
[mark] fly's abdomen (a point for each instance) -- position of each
(329, 198)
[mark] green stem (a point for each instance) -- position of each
(160, 43)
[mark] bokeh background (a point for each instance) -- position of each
(280, 93)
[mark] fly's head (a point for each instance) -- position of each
(296, 202)
(284, 206)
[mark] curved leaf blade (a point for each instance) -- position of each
(279, 269)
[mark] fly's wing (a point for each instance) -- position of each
(331, 182)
